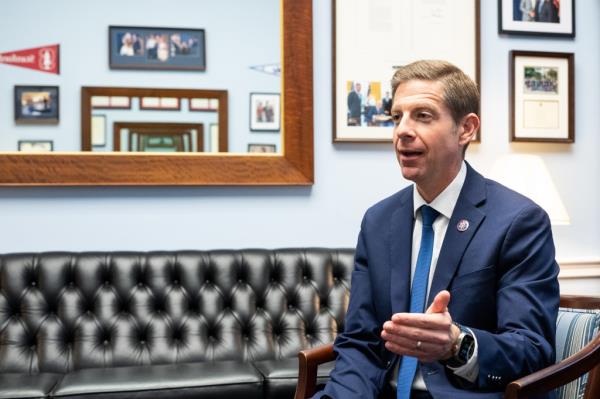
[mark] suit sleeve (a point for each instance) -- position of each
(359, 372)
(527, 300)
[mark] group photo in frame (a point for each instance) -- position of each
(35, 146)
(265, 112)
(542, 101)
(262, 148)
(156, 48)
(364, 58)
(537, 17)
(36, 105)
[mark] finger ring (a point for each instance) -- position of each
(419, 343)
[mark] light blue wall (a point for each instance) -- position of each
(239, 34)
(348, 177)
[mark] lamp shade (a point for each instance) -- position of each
(528, 175)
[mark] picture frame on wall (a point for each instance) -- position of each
(262, 148)
(36, 104)
(35, 145)
(364, 59)
(542, 99)
(133, 47)
(265, 112)
(537, 17)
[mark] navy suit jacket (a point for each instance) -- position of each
(501, 274)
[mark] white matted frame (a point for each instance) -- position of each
(371, 39)
(528, 17)
(542, 98)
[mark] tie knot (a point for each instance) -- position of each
(429, 215)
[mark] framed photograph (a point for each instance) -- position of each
(262, 148)
(35, 145)
(36, 104)
(537, 17)
(542, 102)
(364, 58)
(265, 112)
(156, 48)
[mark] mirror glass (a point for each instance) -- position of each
(131, 45)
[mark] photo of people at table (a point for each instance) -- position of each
(367, 104)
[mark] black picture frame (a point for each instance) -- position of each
(542, 97)
(544, 19)
(133, 47)
(36, 104)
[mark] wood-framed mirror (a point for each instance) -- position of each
(294, 166)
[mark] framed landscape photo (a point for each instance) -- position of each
(36, 104)
(35, 145)
(365, 59)
(537, 17)
(265, 112)
(156, 48)
(262, 148)
(542, 101)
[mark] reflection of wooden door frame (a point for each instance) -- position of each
(158, 128)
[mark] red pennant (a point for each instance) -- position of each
(45, 59)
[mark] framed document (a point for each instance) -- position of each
(542, 102)
(372, 38)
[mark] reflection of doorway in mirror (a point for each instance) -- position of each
(158, 137)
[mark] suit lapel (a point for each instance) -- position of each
(401, 230)
(456, 241)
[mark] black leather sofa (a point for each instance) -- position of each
(182, 324)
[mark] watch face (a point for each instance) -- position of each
(467, 346)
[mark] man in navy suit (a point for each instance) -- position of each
(490, 289)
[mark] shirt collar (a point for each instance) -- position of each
(444, 203)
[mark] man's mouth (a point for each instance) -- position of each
(408, 154)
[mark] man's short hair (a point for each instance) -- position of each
(460, 91)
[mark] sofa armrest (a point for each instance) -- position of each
(569, 369)
(308, 362)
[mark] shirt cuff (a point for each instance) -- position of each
(469, 371)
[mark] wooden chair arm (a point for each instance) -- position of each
(308, 362)
(559, 374)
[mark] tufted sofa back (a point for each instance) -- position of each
(66, 311)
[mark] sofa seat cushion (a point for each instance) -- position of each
(227, 379)
(281, 376)
(16, 385)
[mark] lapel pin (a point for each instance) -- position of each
(462, 225)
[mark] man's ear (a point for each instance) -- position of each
(468, 128)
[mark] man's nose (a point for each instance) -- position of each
(404, 129)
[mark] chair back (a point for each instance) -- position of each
(577, 324)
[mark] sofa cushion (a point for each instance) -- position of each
(281, 376)
(227, 379)
(13, 385)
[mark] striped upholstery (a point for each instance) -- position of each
(574, 329)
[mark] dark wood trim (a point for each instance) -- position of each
(570, 57)
(294, 166)
(308, 361)
(156, 129)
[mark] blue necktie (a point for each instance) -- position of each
(408, 367)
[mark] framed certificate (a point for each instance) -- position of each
(373, 38)
(542, 102)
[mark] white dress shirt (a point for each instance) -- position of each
(444, 203)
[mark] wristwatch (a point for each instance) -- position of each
(462, 350)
